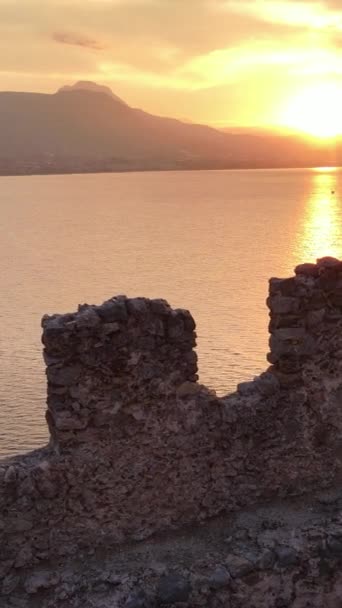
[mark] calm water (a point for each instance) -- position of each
(207, 241)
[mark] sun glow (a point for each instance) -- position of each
(316, 111)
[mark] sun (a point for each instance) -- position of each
(316, 111)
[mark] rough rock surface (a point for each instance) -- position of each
(272, 556)
(139, 448)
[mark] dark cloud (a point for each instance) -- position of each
(77, 40)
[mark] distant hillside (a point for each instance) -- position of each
(87, 128)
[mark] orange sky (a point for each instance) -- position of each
(222, 62)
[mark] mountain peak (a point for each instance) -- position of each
(93, 87)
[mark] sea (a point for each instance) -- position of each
(207, 241)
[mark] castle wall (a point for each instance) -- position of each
(138, 446)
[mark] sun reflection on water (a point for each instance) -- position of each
(324, 169)
(322, 228)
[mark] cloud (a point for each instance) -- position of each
(77, 40)
(237, 56)
(307, 14)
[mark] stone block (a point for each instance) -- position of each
(329, 262)
(308, 270)
(113, 310)
(173, 588)
(283, 305)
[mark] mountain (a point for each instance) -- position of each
(87, 85)
(87, 128)
(82, 128)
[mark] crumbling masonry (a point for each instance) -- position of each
(138, 446)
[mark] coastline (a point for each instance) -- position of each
(168, 169)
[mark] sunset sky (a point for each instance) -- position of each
(222, 62)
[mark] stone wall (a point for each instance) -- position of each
(109, 364)
(306, 344)
(138, 446)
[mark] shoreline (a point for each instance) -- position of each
(167, 170)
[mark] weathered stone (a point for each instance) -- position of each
(267, 383)
(315, 301)
(289, 379)
(284, 287)
(10, 475)
(156, 327)
(43, 579)
(17, 601)
(290, 333)
(20, 524)
(188, 389)
(238, 566)
(328, 262)
(53, 321)
(246, 388)
(64, 376)
(289, 287)
(335, 298)
(286, 556)
(48, 359)
(137, 599)
(279, 321)
(266, 560)
(160, 307)
(10, 583)
(88, 318)
(282, 348)
(334, 546)
(121, 361)
(113, 310)
(309, 270)
(64, 421)
(274, 286)
(327, 280)
(315, 317)
(219, 578)
(24, 557)
(283, 305)
(175, 325)
(138, 306)
(189, 322)
(46, 487)
(173, 588)
(110, 328)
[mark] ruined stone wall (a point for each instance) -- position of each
(138, 446)
(306, 344)
(109, 364)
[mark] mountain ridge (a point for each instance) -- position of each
(76, 130)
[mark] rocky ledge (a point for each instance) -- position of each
(284, 554)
